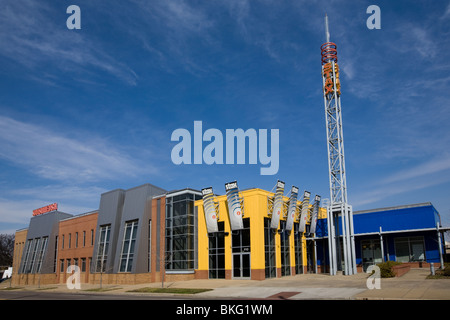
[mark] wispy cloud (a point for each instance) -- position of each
(16, 206)
(70, 199)
(425, 169)
(425, 175)
(54, 156)
(33, 40)
(381, 193)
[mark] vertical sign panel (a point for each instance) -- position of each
(234, 206)
(315, 214)
(277, 205)
(292, 208)
(209, 209)
(304, 214)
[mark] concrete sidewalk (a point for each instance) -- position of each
(412, 285)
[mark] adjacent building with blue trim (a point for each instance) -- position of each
(409, 234)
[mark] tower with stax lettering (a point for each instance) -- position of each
(341, 243)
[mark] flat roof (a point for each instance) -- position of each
(416, 205)
(173, 193)
(80, 215)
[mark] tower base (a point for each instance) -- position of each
(341, 239)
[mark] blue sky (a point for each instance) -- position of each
(87, 111)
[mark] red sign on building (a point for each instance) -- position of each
(50, 207)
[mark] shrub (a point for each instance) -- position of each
(447, 270)
(386, 268)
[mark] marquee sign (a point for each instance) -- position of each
(49, 208)
(209, 208)
(234, 206)
(277, 205)
(292, 209)
(304, 212)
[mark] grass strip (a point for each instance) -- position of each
(102, 289)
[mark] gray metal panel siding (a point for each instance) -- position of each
(118, 207)
(134, 208)
(45, 225)
(110, 212)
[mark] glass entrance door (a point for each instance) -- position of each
(240, 247)
(241, 266)
(371, 253)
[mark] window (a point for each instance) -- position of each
(62, 242)
(83, 264)
(103, 244)
(92, 237)
(149, 245)
(409, 249)
(55, 254)
(70, 240)
(129, 239)
(180, 231)
(61, 266)
(76, 239)
(269, 250)
(84, 239)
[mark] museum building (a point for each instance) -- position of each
(147, 234)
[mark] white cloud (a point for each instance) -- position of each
(71, 199)
(52, 155)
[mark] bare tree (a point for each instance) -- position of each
(6, 249)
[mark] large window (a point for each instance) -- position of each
(409, 249)
(269, 250)
(180, 231)
(285, 250)
(103, 244)
(298, 244)
(217, 253)
(129, 239)
(27, 254)
(33, 254)
(40, 254)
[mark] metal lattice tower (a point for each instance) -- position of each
(342, 255)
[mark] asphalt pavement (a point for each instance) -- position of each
(411, 286)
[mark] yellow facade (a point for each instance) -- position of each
(256, 209)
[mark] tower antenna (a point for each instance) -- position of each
(338, 208)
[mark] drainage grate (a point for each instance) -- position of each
(284, 295)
